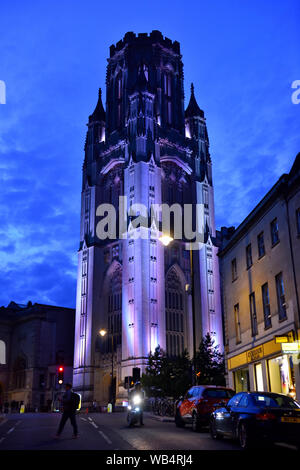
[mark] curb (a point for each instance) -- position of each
(164, 419)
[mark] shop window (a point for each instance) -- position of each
(259, 378)
(281, 375)
(241, 380)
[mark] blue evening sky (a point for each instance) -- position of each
(242, 57)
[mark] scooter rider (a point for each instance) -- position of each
(137, 395)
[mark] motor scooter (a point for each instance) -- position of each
(134, 411)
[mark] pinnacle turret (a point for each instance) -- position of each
(99, 113)
(193, 109)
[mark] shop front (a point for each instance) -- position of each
(272, 366)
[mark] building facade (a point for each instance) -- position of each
(260, 266)
(146, 148)
(34, 340)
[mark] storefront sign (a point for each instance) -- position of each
(255, 354)
(290, 348)
(287, 338)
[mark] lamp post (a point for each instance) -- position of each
(166, 240)
(102, 333)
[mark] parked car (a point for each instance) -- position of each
(198, 403)
(257, 417)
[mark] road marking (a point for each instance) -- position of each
(10, 430)
(4, 421)
(288, 446)
(105, 437)
(2, 439)
(83, 419)
(95, 425)
(18, 423)
(90, 419)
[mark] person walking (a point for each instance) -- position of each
(70, 403)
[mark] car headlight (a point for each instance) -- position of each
(129, 407)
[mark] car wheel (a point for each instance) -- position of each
(213, 431)
(178, 420)
(196, 426)
(244, 437)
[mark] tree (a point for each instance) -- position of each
(152, 380)
(167, 376)
(209, 363)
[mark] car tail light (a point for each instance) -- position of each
(265, 416)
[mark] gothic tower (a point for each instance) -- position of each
(146, 148)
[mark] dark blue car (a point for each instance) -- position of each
(257, 417)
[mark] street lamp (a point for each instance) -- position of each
(102, 333)
(166, 240)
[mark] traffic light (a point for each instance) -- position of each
(128, 382)
(60, 375)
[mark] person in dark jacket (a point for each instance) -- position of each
(69, 411)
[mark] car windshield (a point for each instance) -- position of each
(274, 401)
(218, 393)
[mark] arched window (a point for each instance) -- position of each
(119, 96)
(174, 314)
(168, 96)
(114, 309)
(2, 352)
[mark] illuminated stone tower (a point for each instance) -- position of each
(145, 147)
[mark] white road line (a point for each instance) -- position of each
(2, 439)
(105, 437)
(10, 430)
(83, 419)
(288, 446)
(90, 419)
(18, 423)
(95, 425)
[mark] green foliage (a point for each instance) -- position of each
(209, 363)
(172, 376)
(167, 376)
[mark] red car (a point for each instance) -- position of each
(198, 403)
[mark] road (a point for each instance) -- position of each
(99, 431)
(36, 431)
